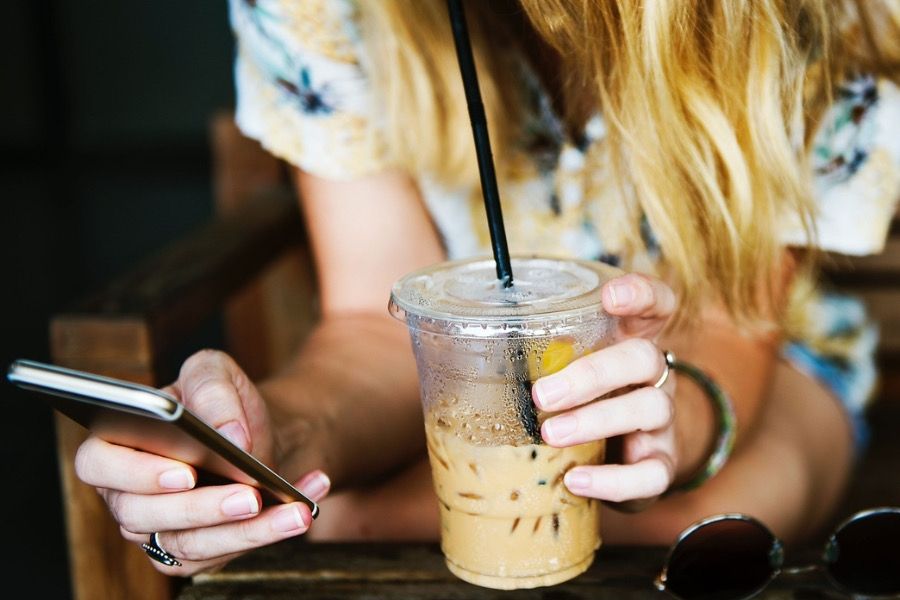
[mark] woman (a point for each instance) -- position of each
(708, 148)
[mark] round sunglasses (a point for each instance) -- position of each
(734, 557)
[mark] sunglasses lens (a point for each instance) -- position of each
(723, 560)
(863, 556)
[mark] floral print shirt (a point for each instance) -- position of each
(304, 92)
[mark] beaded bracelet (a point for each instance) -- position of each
(725, 420)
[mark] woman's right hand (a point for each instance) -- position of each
(203, 527)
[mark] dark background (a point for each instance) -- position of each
(104, 158)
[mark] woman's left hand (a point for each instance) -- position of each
(644, 415)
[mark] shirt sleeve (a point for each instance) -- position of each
(301, 87)
(856, 169)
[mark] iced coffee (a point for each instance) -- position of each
(507, 519)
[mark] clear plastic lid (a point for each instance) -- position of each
(466, 298)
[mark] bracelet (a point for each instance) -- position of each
(725, 420)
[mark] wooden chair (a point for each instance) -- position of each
(250, 266)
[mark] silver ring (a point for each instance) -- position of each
(670, 361)
(157, 553)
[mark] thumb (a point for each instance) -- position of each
(644, 304)
(211, 385)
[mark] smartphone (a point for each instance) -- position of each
(148, 419)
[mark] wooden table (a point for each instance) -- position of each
(296, 569)
(299, 569)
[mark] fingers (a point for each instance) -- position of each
(638, 295)
(645, 409)
(202, 543)
(647, 478)
(210, 383)
(210, 544)
(645, 304)
(203, 507)
(644, 418)
(633, 361)
(648, 471)
(206, 527)
(104, 465)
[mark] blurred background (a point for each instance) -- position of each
(104, 122)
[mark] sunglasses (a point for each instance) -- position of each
(734, 557)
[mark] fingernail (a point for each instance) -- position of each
(550, 390)
(234, 431)
(176, 479)
(288, 519)
(621, 294)
(577, 481)
(242, 503)
(561, 427)
(316, 488)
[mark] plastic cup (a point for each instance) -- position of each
(507, 519)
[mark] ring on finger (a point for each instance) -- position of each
(669, 363)
(155, 551)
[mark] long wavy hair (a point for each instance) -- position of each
(709, 107)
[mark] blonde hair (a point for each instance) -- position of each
(417, 76)
(708, 107)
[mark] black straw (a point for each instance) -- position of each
(527, 412)
(482, 142)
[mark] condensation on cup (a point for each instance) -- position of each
(507, 519)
